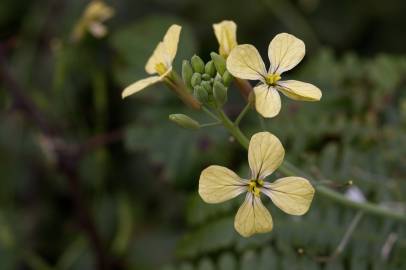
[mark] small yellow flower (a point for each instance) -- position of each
(160, 61)
(285, 51)
(95, 14)
(225, 32)
(292, 195)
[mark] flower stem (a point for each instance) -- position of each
(290, 170)
(242, 114)
(210, 124)
(233, 129)
(209, 113)
(176, 84)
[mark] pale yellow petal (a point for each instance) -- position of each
(267, 100)
(252, 217)
(265, 154)
(171, 41)
(285, 51)
(158, 56)
(226, 34)
(142, 84)
(218, 184)
(165, 51)
(245, 62)
(292, 195)
(298, 90)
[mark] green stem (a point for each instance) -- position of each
(209, 113)
(290, 170)
(233, 129)
(242, 114)
(210, 124)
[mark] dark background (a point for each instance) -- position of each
(91, 181)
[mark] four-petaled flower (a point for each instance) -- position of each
(159, 63)
(292, 195)
(285, 51)
(225, 32)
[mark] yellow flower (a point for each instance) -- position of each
(92, 20)
(225, 32)
(292, 195)
(285, 51)
(159, 63)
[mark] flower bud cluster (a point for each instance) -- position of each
(207, 81)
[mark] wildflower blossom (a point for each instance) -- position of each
(159, 63)
(292, 195)
(285, 51)
(95, 14)
(225, 32)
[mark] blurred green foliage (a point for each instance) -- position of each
(142, 190)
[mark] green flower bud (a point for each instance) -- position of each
(210, 68)
(219, 62)
(201, 94)
(227, 78)
(207, 86)
(206, 77)
(184, 121)
(219, 93)
(218, 78)
(196, 79)
(187, 73)
(197, 64)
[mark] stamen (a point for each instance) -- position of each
(160, 68)
(255, 186)
(272, 78)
